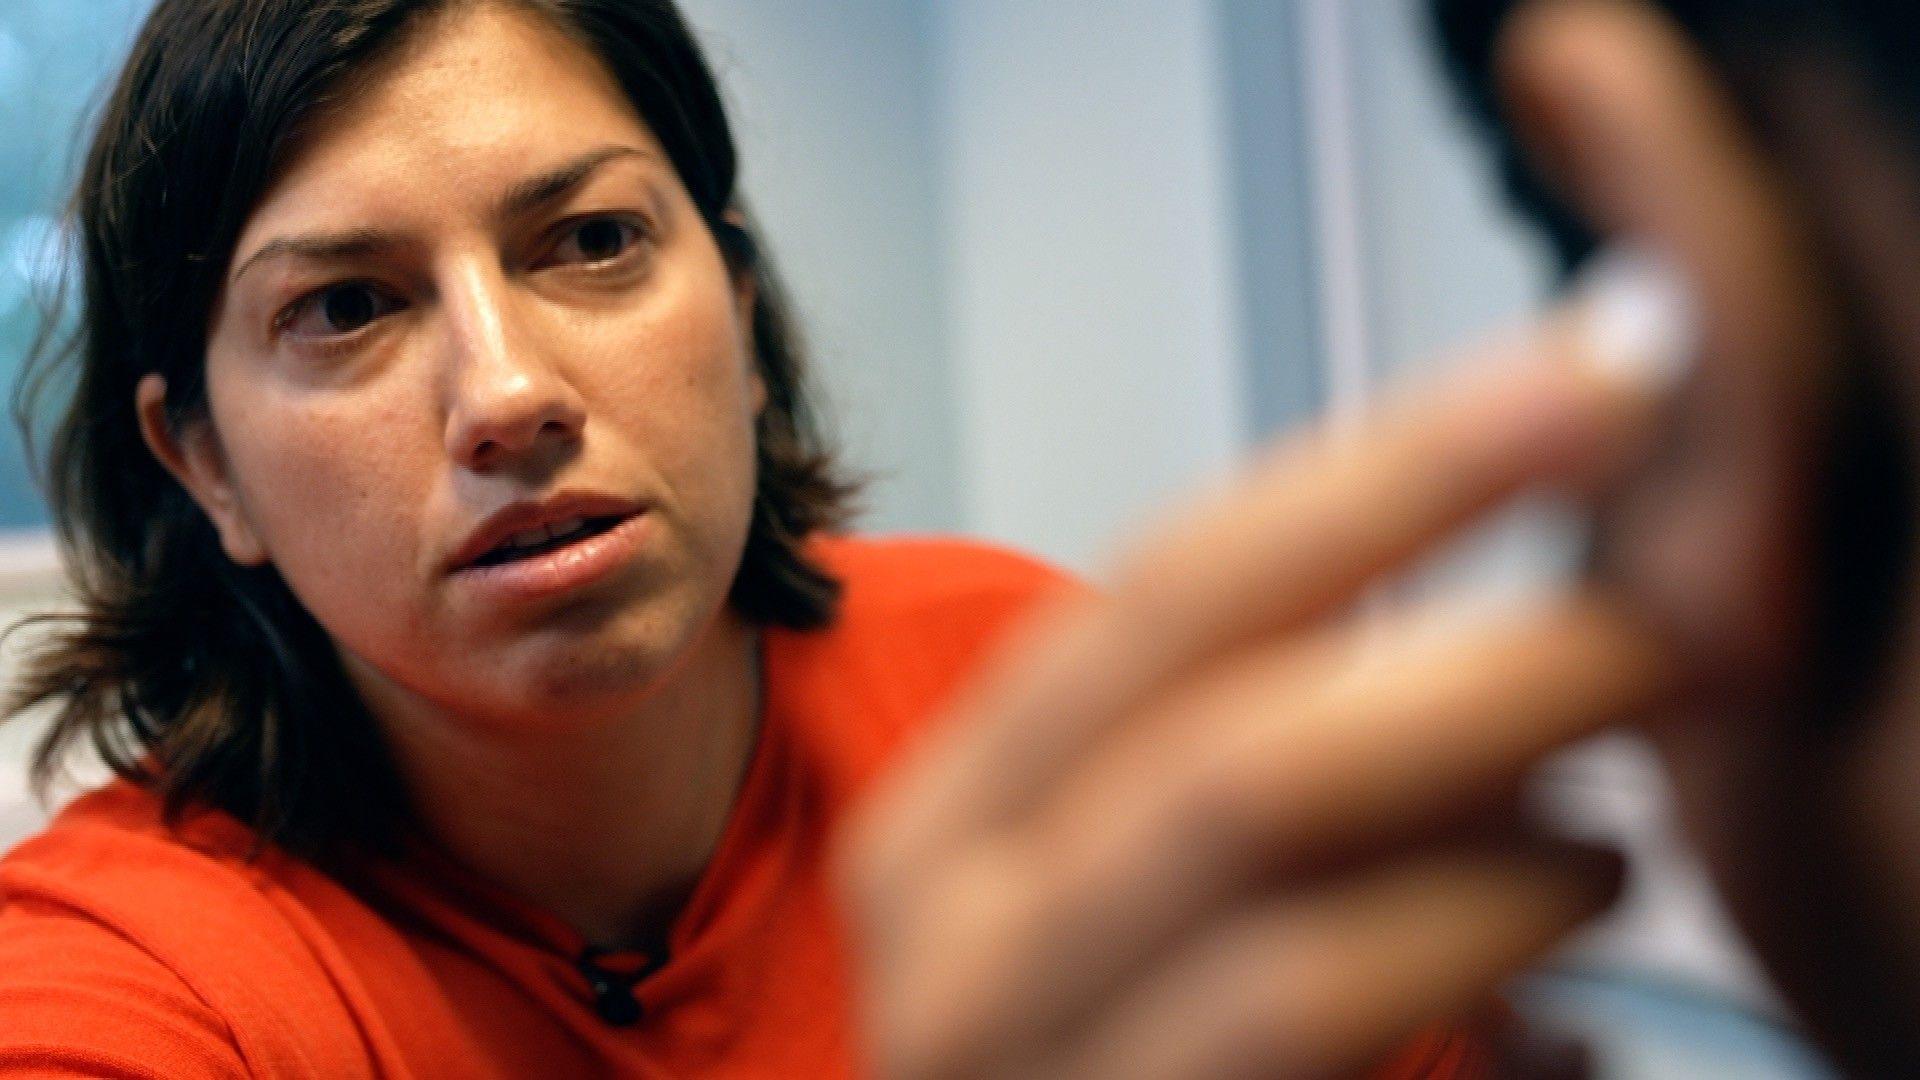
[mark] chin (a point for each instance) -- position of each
(561, 679)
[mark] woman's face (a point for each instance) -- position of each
(480, 306)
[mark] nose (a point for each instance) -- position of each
(509, 400)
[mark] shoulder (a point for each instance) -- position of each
(119, 931)
(918, 618)
(78, 998)
(925, 610)
(111, 854)
(911, 577)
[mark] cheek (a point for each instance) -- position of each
(678, 379)
(334, 489)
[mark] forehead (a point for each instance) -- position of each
(475, 100)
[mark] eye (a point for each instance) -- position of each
(336, 311)
(594, 241)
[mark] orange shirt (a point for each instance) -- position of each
(131, 949)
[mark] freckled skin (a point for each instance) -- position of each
(357, 471)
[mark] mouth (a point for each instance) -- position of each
(530, 530)
(537, 552)
(543, 540)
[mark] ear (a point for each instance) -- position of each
(195, 459)
(746, 301)
(1712, 543)
(1631, 123)
(1621, 112)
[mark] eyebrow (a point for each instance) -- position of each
(346, 244)
(522, 198)
(535, 192)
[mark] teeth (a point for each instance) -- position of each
(555, 531)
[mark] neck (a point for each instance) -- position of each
(606, 825)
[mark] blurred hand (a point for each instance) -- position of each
(1206, 827)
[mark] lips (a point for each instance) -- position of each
(533, 542)
(528, 529)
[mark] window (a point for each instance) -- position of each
(55, 59)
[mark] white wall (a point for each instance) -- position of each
(834, 102)
(1445, 258)
(29, 584)
(1094, 311)
(1008, 226)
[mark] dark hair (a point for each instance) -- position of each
(207, 680)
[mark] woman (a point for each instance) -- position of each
(446, 514)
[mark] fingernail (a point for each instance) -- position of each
(1641, 322)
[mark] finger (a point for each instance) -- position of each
(1354, 506)
(1285, 755)
(1280, 761)
(1331, 982)
(1287, 545)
